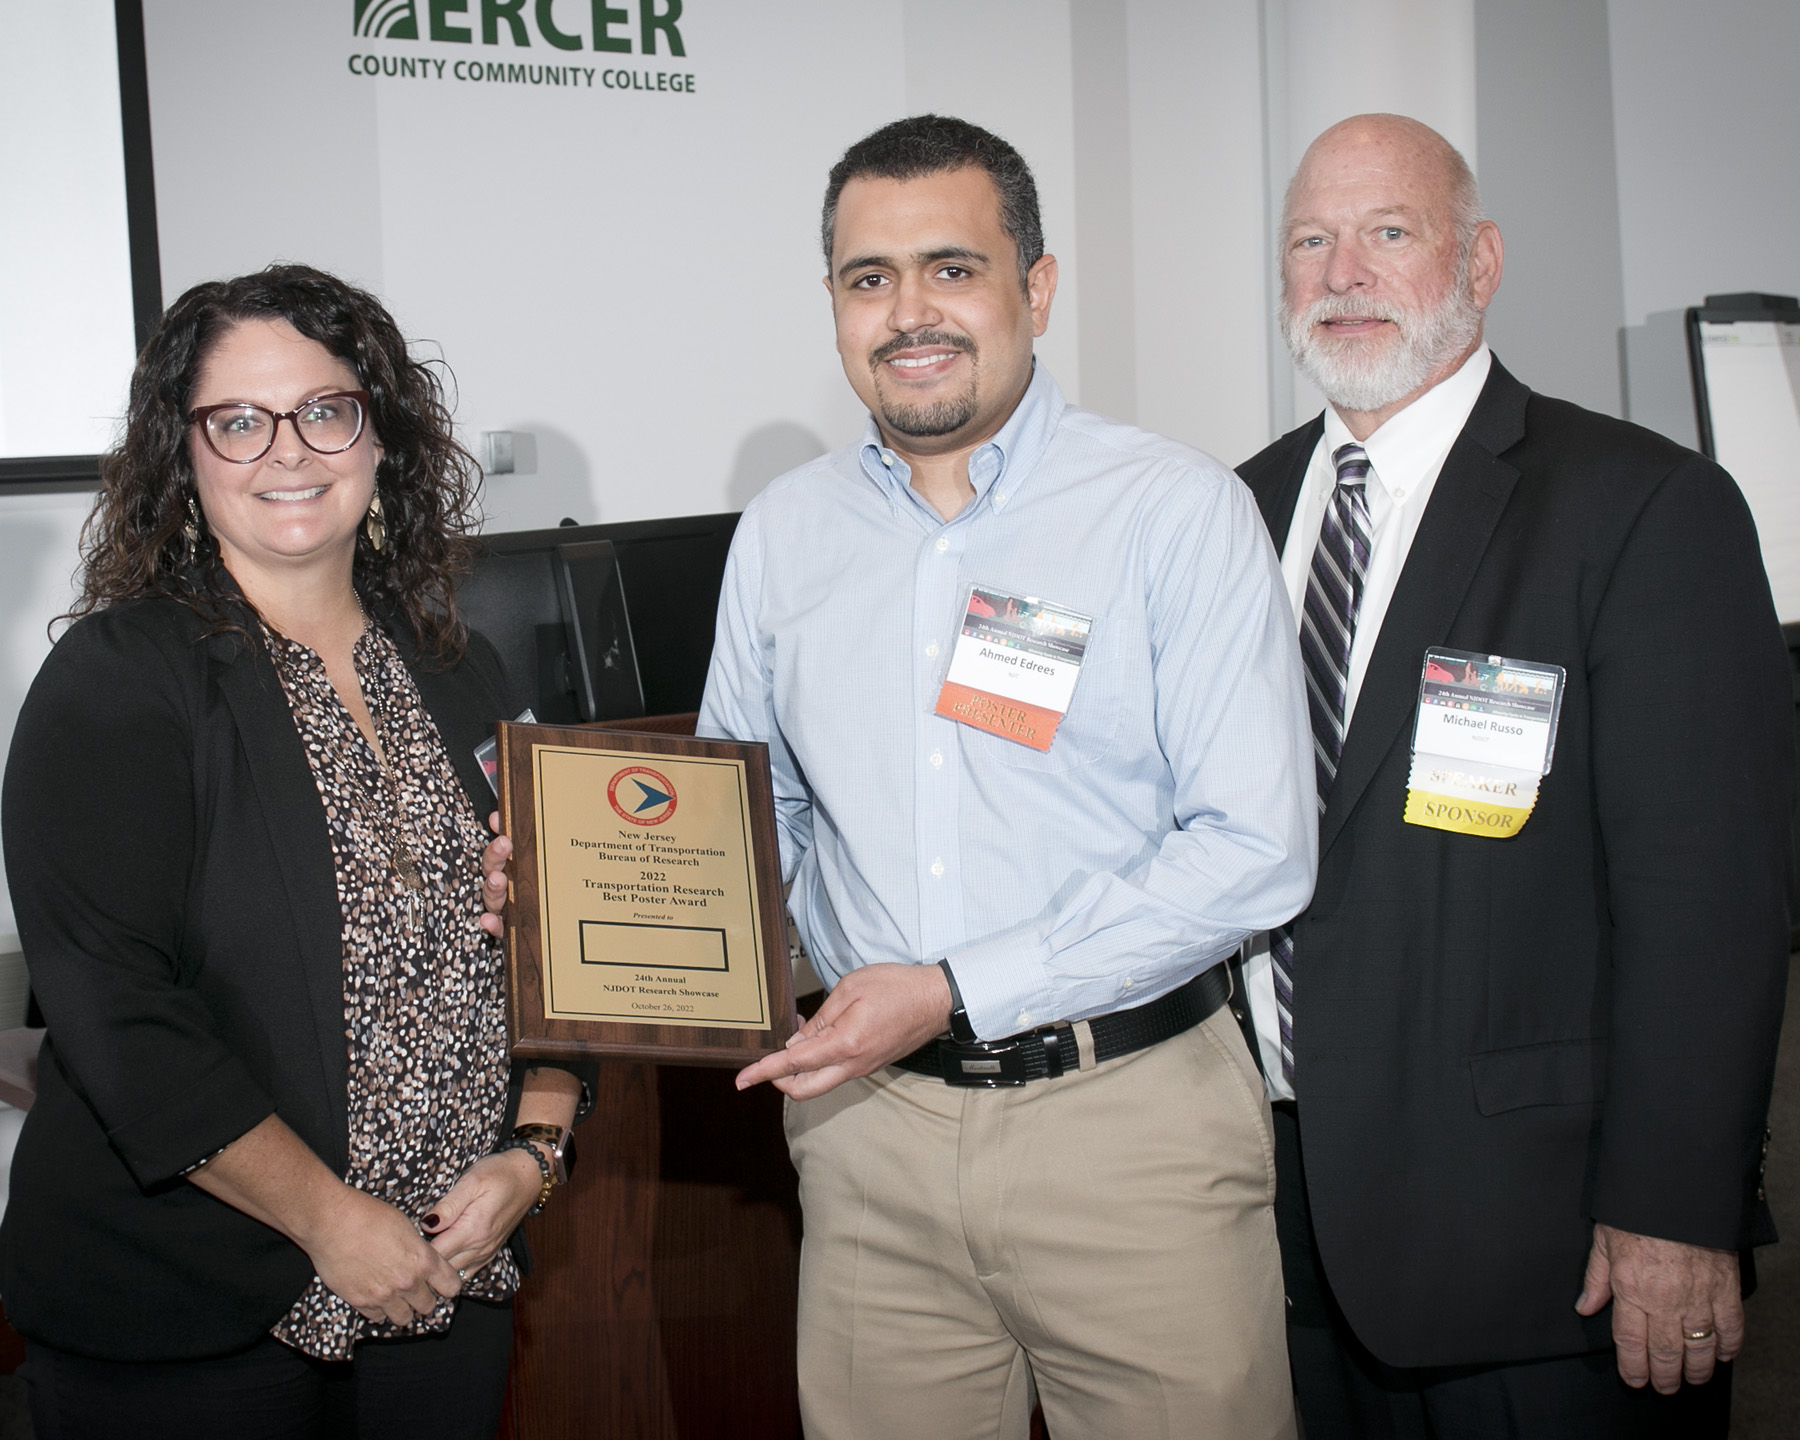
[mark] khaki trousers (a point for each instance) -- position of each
(1106, 1238)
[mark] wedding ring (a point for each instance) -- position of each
(464, 1275)
(1696, 1336)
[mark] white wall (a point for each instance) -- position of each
(1545, 113)
(1164, 280)
(1004, 64)
(633, 278)
(1706, 115)
(1326, 61)
(1705, 112)
(1200, 242)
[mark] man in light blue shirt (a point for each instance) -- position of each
(1069, 1193)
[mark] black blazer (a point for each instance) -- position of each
(1499, 1042)
(172, 876)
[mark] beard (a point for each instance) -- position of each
(937, 417)
(940, 417)
(1359, 377)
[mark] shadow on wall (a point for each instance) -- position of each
(1658, 380)
(553, 480)
(768, 451)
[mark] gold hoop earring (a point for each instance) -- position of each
(375, 526)
(190, 528)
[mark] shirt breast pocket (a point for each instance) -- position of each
(1085, 734)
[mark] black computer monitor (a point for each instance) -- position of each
(602, 622)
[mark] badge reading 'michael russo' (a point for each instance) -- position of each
(1483, 739)
(647, 896)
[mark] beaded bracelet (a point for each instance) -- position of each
(515, 1143)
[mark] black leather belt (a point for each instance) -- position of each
(1049, 1050)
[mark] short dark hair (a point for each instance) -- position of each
(929, 145)
(133, 543)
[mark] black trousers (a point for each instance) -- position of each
(1345, 1393)
(434, 1387)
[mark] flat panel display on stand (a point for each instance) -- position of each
(602, 622)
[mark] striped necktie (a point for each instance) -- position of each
(1334, 590)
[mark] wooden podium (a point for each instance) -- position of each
(660, 1305)
(661, 1300)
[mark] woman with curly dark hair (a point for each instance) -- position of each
(270, 1177)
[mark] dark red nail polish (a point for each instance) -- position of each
(431, 1222)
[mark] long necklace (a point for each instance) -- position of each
(390, 836)
(400, 856)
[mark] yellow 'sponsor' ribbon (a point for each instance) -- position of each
(1466, 816)
(1489, 800)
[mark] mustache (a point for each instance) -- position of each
(1341, 307)
(891, 348)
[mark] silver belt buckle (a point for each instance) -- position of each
(981, 1066)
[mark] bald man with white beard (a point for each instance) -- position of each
(1521, 1054)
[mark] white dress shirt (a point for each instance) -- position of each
(1405, 456)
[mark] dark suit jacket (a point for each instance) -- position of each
(172, 876)
(1499, 1042)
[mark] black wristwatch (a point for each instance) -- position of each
(960, 1028)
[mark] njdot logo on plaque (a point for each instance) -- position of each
(646, 914)
(653, 801)
(561, 33)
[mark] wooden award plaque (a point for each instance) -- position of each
(646, 916)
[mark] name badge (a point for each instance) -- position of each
(487, 753)
(1483, 739)
(1014, 667)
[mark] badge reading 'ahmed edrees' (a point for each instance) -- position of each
(647, 897)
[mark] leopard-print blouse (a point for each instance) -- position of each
(424, 997)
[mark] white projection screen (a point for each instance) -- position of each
(1747, 381)
(67, 304)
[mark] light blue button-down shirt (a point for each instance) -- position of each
(1174, 813)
